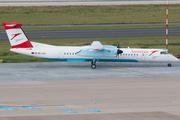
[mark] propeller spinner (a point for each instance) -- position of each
(119, 51)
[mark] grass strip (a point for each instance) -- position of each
(102, 14)
(132, 42)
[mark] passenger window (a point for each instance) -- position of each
(64, 53)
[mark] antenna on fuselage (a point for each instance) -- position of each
(166, 25)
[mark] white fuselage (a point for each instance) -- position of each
(68, 53)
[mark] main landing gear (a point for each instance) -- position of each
(93, 64)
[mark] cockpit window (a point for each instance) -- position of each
(164, 52)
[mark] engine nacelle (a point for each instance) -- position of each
(107, 51)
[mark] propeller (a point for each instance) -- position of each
(119, 51)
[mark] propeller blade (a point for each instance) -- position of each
(118, 45)
(119, 51)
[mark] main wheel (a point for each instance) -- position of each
(93, 66)
(169, 64)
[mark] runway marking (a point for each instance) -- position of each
(31, 108)
(95, 110)
(69, 111)
(8, 108)
(92, 110)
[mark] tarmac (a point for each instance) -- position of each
(71, 91)
(72, 34)
(74, 91)
(42, 71)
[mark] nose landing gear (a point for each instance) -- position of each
(169, 64)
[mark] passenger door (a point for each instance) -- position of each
(61, 54)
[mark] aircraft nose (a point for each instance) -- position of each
(175, 59)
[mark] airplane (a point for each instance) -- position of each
(96, 52)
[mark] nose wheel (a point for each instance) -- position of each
(169, 64)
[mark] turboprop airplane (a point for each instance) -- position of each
(96, 52)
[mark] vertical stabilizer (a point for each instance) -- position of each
(16, 36)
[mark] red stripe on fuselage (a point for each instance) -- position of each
(153, 52)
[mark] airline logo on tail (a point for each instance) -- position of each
(15, 35)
